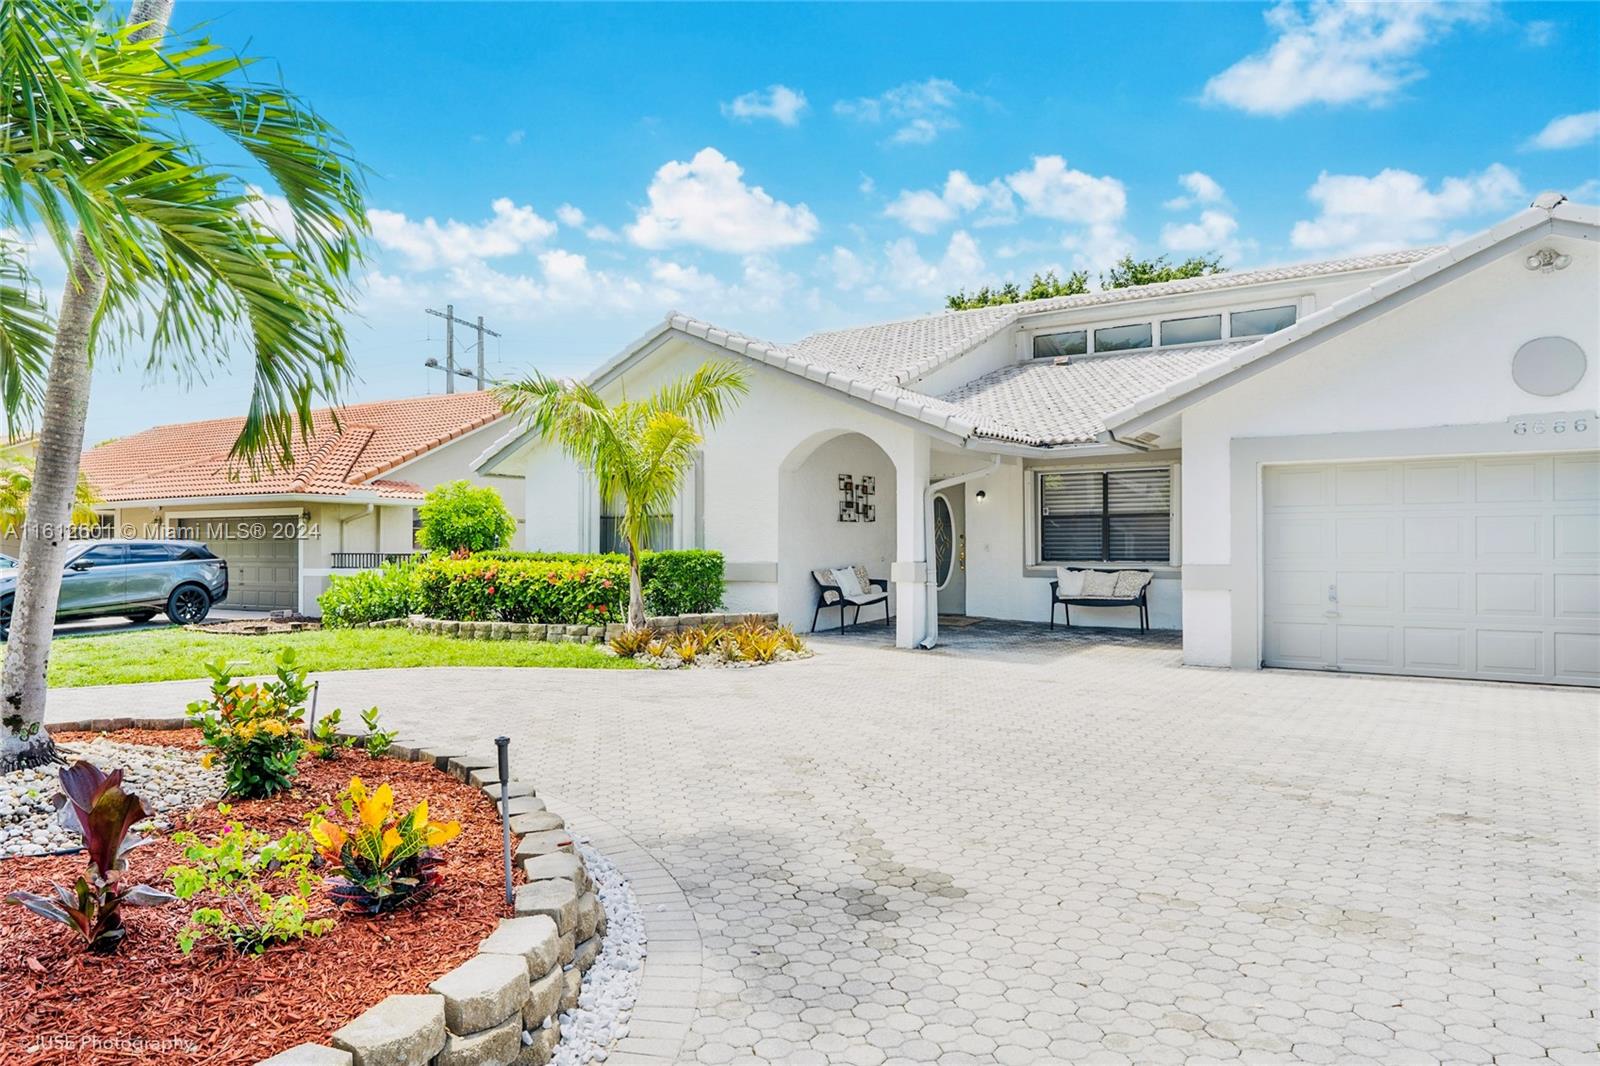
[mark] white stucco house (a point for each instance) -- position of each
(346, 501)
(1385, 463)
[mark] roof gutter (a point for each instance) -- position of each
(928, 550)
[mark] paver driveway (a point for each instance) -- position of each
(1079, 853)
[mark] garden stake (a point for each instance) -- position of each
(311, 720)
(501, 745)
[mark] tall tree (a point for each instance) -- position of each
(1128, 271)
(1043, 286)
(96, 154)
(637, 451)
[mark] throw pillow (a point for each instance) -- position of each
(1129, 582)
(825, 577)
(1098, 584)
(1069, 583)
(849, 584)
(864, 579)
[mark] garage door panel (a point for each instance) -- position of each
(1509, 594)
(1511, 651)
(1577, 596)
(1435, 537)
(1436, 593)
(1577, 657)
(1371, 591)
(1446, 482)
(1577, 537)
(1435, 650)
(1576, 478)
(263, 571)
(1299, 643)
(1510, 480)
(1362, 486)
(1457, 567)
(1509, 536)
(1371, 536)
(1367, 647)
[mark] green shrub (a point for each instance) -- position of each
(254, 728)
(463, 516)
(235, 869)
(675, 582)
(368, 596)
(479, 588)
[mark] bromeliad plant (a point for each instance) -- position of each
(382, 861)
(104, 814)
(253, 728)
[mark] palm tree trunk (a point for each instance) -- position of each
(23, 740)
(635, 588)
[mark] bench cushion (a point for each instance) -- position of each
(1069, 583)
(1098, 585)
(1129, 584)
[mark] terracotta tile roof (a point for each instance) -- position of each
(190, 459)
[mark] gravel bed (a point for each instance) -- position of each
(165, 778)
(611, 986)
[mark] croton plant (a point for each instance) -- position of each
(382, 860)
(96, 805)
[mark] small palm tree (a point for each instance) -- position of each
(637, 450)
(100, 156)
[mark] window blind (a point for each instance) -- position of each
(1105, 515)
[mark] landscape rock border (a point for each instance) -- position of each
(552, 633)
(501, 1007)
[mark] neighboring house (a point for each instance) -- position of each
(1386, 463)
(346, 502)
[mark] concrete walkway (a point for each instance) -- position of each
(1088, 853)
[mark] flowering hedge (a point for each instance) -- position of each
(480, 588)
(689, 581)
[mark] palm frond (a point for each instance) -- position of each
(705, 396)
(26, 332)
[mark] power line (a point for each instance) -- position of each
(449, 368)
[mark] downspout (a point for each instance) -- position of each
(928, 551)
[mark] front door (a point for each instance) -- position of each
(950, 550)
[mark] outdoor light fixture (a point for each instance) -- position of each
(1547, 260)
(982, 494)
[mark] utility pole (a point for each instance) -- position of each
(450, 323)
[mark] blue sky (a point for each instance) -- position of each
(572, 173)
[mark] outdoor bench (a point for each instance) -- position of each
(848, 586)
(1086, 587)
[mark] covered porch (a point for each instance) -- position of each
(1031, 643)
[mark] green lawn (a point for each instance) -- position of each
(172, 654)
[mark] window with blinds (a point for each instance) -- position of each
(1105, 515)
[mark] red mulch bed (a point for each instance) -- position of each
(148, 1003)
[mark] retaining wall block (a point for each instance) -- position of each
(482, 992)
(397, 1031)
(544, 997)
(544, 843)
(584, 954)
(572, 986)
(533, 938)
(496, 1046)
(543, 1047)
(556, 900)
(310, 1055)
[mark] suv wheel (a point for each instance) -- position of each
(5, 618)
(188, 605)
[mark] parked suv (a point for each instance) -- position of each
(135, 578)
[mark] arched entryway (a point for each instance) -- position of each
(836, 507)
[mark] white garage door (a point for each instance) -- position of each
(263, 570)
(1457, 567)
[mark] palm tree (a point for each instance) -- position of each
(16, 488)
(99, 156)
(637, 451)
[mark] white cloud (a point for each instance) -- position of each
(706, 202)
(1396, 207)
(777, 102)
(1199, 189)
(1213, 232)
(848, 271)
(925, 211)
(516, 137)
(1568, 131)
(1336, 53)
(426, 244)
(569, 215)
(1587, 193)
(1050, 189)
(1539, 33)
(866, 185)
(919, 110)
(961, 265)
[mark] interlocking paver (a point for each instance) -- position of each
(1026, 848)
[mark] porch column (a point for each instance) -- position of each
(909, 574)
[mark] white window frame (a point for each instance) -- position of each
(1303, 304)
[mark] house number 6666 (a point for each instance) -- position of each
(1523, 426)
